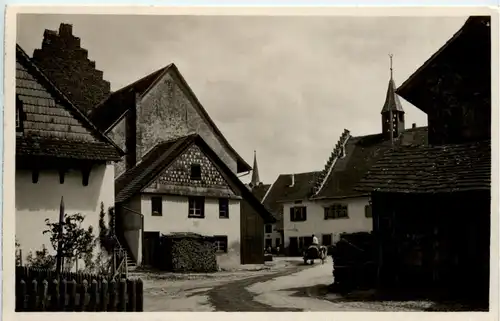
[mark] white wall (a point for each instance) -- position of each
(36, 202)
(175, 219)
(317, 225)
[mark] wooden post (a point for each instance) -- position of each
(59, 242)
(139, 305)
(103, 300)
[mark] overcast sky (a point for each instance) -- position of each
(284, 86)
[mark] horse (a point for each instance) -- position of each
(315, 252)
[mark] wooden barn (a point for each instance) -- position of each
(431, 204)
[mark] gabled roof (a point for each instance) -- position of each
(162, 155)
(282, 191)
(431, 169)
(448, 50)
(360, 154)
(52, 125)
(113, 108)
(392, 102)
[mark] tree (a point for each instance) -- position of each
(75, 239)
(41, 260)
(107, 240)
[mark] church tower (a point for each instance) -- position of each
(255, 172)
(392, 112)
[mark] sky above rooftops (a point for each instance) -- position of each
(283, 86)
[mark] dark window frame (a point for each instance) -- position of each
(266, 228)
(217, 243)
(224, 208)
(193, 210)
(154, 206)
(298, 214)
(329, 236)
(336, 211)
(195, 173)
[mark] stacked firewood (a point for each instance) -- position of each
(353, 261)
(192, 254)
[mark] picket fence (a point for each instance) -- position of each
(42, 290)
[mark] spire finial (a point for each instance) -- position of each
(390, 58)
(255, 173)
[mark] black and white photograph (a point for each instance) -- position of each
(252, 163)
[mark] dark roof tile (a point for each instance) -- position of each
(431, 169)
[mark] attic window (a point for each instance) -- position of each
(195, 172)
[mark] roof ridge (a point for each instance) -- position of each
(330, 163)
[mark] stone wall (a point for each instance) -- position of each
(66, 64)
(167, 112)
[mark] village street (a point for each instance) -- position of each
(284, 285)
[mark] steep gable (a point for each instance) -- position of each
(51, 125)
(176, 178)
(165, 108)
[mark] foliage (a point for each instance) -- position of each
(41, 260)
(18, 253)
(107, 233)
(100, 264)
(75, 239)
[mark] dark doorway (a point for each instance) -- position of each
(293, 248)
(149, 248)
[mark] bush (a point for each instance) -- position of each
(41, 260)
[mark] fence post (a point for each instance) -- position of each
(131, 293)
(83, 295)
(63, 289)
(122, 301)
(112, 295)
(33, 295)
(44, 295)
(93, 296)
(21, 296)
(72, 296)
(139, 295)
(103, 300)
(54, 295)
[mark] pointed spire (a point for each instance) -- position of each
(255, 173)
(392, 102)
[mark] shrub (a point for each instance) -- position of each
(41, 260)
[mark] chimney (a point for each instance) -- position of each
(414, 125)
(293, 180)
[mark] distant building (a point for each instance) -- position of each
(325, 203)
(59, 154)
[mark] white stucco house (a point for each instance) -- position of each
(59, 154)
(325, 203)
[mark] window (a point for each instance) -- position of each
(268, 243)
(326, 239)
(220, 243)
(195, 172)
(368, 211)
(196, 207)
(269, 228)
(223, 208)
(336, 211)
(156, 206)
(298, 214)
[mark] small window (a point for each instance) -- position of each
(195, 172)
(223, 208)
(220, 243)
(298, 202)
(368, 211)
(269, 228)
(326, 239)
(196, 207)
(156, 206)
(298, 214)
(336, 211)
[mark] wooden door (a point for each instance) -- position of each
(293, 248)
(150, 247)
